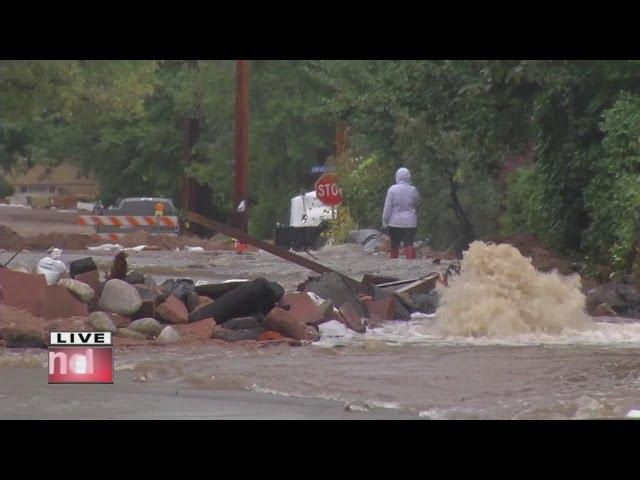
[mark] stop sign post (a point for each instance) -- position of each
(327, 190)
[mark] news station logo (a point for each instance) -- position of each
(80, 357)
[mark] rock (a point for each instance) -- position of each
(172, 310)
(135, 278)
(281, 321)
(202, 329)
(81, 291)
(242, 323)
(146, 310)
(168, 335)
(153, 294)
(101, 322)
(180, 288)
(147, 326)
(149, 281)
(252, 298)
(193, 301)
(128, 333)
(119, 321)
(351, 318)
(119, 267)
(81, 266)
(603, 310)
(18, 338)
(120, 297)
(270, 335)
(221, 333)
(362, 236)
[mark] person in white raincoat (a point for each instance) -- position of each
(400, 214)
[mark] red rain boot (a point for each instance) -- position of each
(395, 253)
(410, 252)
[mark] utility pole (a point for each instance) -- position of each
(241, 197)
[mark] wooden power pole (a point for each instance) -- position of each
(241, 196)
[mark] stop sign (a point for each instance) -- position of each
(327, 190)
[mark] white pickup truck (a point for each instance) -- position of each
(307, 219)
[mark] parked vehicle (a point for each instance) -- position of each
(159, 216)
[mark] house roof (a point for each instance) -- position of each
(63, 174)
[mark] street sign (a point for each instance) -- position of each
(327, 190)
(319, 169)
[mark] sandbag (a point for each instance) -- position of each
(51, 269)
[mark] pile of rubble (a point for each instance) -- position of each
(137, 310)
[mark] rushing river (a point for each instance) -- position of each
(507, 343)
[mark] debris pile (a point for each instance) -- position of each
(137, 310)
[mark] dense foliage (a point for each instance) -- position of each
(457, 125)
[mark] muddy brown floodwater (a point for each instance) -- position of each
(400, 370)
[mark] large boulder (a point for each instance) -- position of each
(79, 290)
(120, 297)
(101, 322)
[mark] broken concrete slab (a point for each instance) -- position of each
(202, 329)
(22, 290)
(57, 302)
(91, 278)
(424, 285)
(352, 318)
(384, 309)
(332, 286)
(281, 321)
(304, 308)
(401, 310)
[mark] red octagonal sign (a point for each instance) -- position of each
(327, 190)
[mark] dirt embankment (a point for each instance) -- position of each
(12, 241)
(543, 258)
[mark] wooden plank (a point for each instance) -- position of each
(267, 247)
